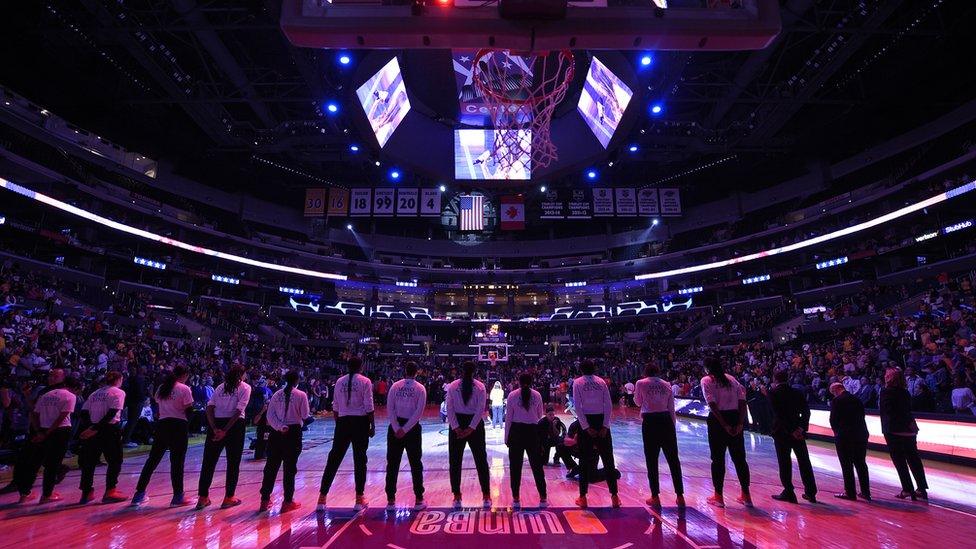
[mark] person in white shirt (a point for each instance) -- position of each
(466, 399)
(103, 436)
(656, 401)
(405, 406)
(174, 398)
(287, 411)
(51, 426)
(591, 399)
(225, 418)
(354, 424)
(727, 399)
(497, 398)
(523, 413)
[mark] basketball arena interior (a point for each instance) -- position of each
(690, 273)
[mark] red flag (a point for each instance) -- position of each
(512, 213)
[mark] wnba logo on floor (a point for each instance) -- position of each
(491, 522)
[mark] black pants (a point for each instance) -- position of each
(718, 442)
(904, 455)
(852, 455)
(262, 435)
(107, 441)
(592, 448)
(785, 445)
(132, 413)
(352, 430)
(48, 453)
(412, 443)
(659, 436)
(171, 434)
(233, 442)
(283, 449)
(455, 450)
(564, 453)
(523, 438)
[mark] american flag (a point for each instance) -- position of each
(472, 213)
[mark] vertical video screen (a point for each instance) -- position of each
(384, 99)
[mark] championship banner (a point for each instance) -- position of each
(512, 213)
(579, 205)
(430, 203)
(338, 202)
(670, 202)
(314, 202)
(647, 202)
(383, 202)
(626, 202)
(361, 201)
(602, 202)
(552, 206)
(407, 201)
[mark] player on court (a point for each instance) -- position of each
(51, 427)
(656, 401)
(727, 399)
(354, 424)
(591, 397)
(466, 400)
(175, 400)
(103, 437)
(225, 416)
(287, 411)
(406, 403)
(523, 412)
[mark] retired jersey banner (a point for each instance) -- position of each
(430, 203)
(383, 202)
(602, 202)
(647, 202)
(314, 202)
(361, 201)
(512, 213)
(626, 202)
(407, 202)
(552, 206)
(579, 205)
(670, 202)
(338, 202)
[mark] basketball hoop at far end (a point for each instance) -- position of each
(521, 92)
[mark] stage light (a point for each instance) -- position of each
(633, 148)
(149, 263)
(688, 291)
(655, 222)
(291, 291)
(657, 109)
(332, 107)
(344, 59)
(225, 279)
(646, 60)
(755, 279)
(349, 226)
(542, 189)
(591, 174)
(442, 188)
(354, 148)
(831, 263)
(377, 163)
(394, 174)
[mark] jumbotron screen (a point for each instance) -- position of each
(384, 98)
(603, 101)
(476, 157)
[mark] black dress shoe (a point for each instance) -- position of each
(809, 497)
(905, 494)
(788, 497)
(922, 494)
(865, 497)
(845, 495)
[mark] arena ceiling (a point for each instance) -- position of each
(209, 87)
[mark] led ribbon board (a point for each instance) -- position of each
(880, 220)
(73, 210)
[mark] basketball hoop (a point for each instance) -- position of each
(521, 103)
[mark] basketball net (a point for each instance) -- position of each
(521, 105)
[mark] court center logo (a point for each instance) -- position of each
(476, 522)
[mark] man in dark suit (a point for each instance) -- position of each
(851, 440)
(791, 418)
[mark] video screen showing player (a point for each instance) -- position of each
(475, 155)
(603, 101)
(384, 98)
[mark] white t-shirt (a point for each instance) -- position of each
(962, 397)
(228, 405)
(406, 400)
(52, 404)
(727, 398)
(358, 402)
(103, 400)
(298, 409)
(591, 396)
(654, 395)
(516, 413)
(175, 406)
(475, 406)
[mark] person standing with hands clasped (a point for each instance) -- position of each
(406, 400)
(103, 436)
(727, 399)
(851, 441)
(287, 411)
(225, 416)
(791, 419)
(523, 412)
(466, 400)
(51, 427)
(591, 398)
(656, 401)
(354, 424)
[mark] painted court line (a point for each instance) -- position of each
(365, 530)
(343, 529)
